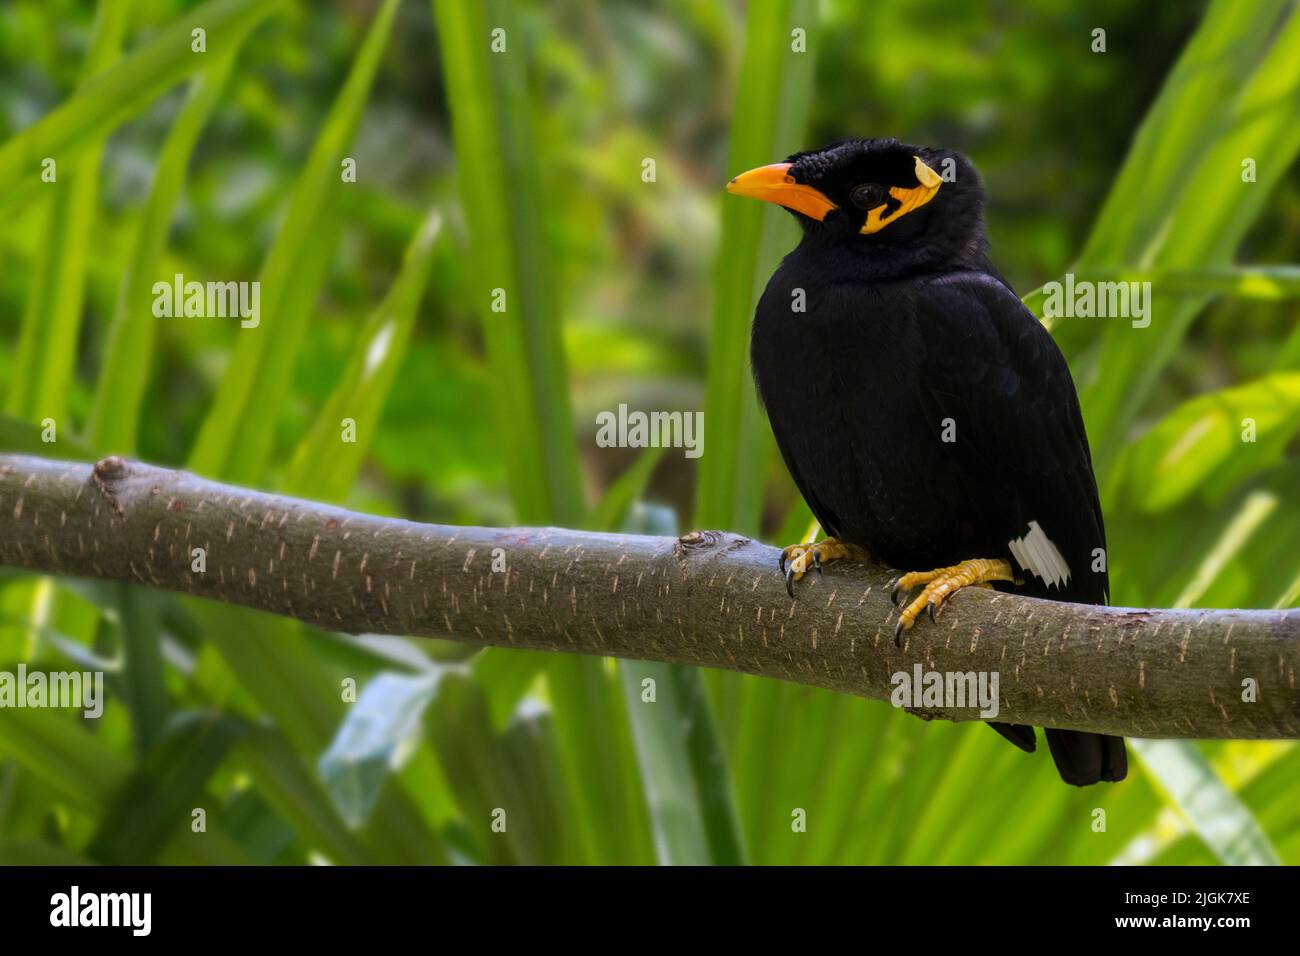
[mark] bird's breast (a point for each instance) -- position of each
(841, 383)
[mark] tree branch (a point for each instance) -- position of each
(708, 599)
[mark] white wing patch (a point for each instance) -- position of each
(1036, 553)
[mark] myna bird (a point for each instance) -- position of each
(924, 413)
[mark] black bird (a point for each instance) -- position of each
(925, 414)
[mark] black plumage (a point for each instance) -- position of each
(924, 413)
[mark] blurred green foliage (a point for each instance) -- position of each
(472, 166)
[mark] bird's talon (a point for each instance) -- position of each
(798, 559)
(941, 584)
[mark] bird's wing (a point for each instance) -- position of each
(991, 368)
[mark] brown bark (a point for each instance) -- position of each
(708, 599)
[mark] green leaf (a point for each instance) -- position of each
(297, 796)
(213, 848)
(158, 798)
(515, 807)
(235, 441)
(511, 264)
(1214, 812)
(1268, 283)
(47, 344)
(799, 526)
(1267, 791)
(83, 770)
(686, 785)
(122, 91)
(386, 718)
(34, 853)
(324, 467)
(25, 438)
(274, 664)
(1254, 513)
(773, 95)
(1201, 225)
(462, 734)
(140, 631)
(258, 831)
(535, 786)
(592, 730)
(1192, 109)
(505, 676)
(128, 353)
(612, 509)
(1212, 443)
(1238, 552)
(683, 767)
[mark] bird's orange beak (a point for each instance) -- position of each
(775, 184)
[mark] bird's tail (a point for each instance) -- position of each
(1084, 758)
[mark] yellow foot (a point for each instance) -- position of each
(942, 584)
(802, 557)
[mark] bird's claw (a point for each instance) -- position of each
(932, 608)
(798, 559)
(939, 585)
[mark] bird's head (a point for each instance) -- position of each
(879, 196)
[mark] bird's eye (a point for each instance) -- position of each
(867, 196)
